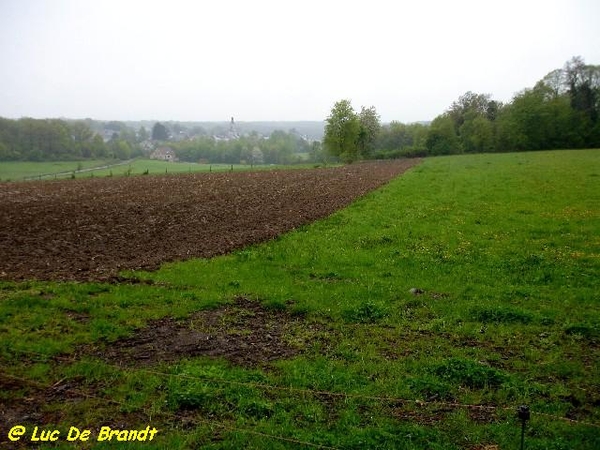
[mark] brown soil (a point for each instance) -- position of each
(244, 333)
(90, 229)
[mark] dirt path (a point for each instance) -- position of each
(89, 229)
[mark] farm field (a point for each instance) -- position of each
(92, 228)
(155, 167)
(19, 171)
(418, 317)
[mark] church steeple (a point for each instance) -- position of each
(233, 133)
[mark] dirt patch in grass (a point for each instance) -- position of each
(90, 229)
(34, 400)
(422, 416)
(244, 333)
(28, 409)
(28, 403)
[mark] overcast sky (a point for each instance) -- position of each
(278, 60)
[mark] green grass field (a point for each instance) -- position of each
(504, 254)
(18, 171)
(155, 167)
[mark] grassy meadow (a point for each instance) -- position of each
(429, 310)
(21, 170)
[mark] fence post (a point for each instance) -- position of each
(524, 414)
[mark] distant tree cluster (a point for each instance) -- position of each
(53, 139)
(279, 148)
(351, 136)
(561, 111)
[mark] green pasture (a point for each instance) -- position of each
(428, 311)
(19, 171)
(156, 167)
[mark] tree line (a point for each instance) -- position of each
(56, 139)
(560, 112)
(280, 147)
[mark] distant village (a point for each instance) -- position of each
(160, 149)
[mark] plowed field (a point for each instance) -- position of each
(90, 229)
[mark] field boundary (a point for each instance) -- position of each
(230, 428)
(315, 392)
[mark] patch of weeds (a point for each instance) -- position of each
(469, 373)
(368, 312)
(299, 310)
(275, 305)
(371, 242)
(95, 289)
(585, 330)
(415, 304)
(328, 276)
(245, 254)
(185, 395)
(106, 329)
(547, 321)
(256, 408)
(565, 369)
(93, 372)
(431, 388)
(501, 314)
(28, 300)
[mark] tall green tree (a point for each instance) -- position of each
(368, 131)
(442, 138)
(142, 134)
(476, 134)
(399, 139)
(471, 105)
(536, 119)
(160, 132)
(583, 84)
(342, 129)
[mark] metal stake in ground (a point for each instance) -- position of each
(523, 414)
